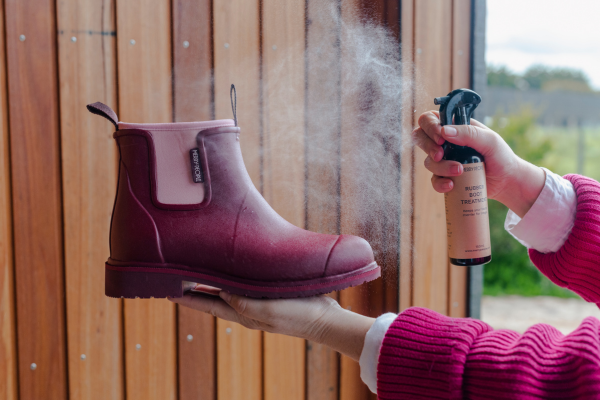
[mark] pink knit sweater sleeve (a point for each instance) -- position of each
(577, 264)
(425, 355)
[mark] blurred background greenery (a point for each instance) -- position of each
(561, 149)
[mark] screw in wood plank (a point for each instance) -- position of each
(22, 38)
(73, 39)
(186, 44)
(190, 338)
(83, 357)
(228, 331)
(226, 45)
(274, 47)
(460, 52)
(138, 346)
(132, 42)
(33, 366)
(419, 51)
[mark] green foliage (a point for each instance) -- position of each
(501, 76)
(540, 77)
(511, 271)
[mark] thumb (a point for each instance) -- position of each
(481, 139)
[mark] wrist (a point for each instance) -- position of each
(344, 331)
(522, 191)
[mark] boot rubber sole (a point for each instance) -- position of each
(158, 281)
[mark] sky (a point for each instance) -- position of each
(563, 33)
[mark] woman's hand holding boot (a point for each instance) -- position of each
(319, 318)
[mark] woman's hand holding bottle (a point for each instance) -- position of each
(511, 180)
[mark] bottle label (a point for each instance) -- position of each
(467, 219)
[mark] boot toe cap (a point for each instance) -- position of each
(350, 253)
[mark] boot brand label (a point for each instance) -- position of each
(197, 173)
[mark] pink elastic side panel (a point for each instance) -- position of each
(172, 144)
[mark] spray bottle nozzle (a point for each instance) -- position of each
(456, 108)
(438, 101)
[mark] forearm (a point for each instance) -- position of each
(344, 331)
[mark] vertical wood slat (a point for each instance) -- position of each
(322, 160)
(407, 157)
(192, 97)
(433, 43)
(87, 73)
(8, 349)
(393, 227)
(357, 298)
(144, 70)
(36, 191)
(461, 78)
(236, 43)
(370, 172)
(283, 31)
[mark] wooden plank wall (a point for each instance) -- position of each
(87, 73)
(174, 60)
(8, 351)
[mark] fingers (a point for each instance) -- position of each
(441, 171)
(426, 144)
(429, 122)
(441, 184)
(444, 167)
(481, 139)
(208, 304)
(474, 122)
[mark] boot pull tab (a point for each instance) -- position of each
(105, 111)
(233, 96)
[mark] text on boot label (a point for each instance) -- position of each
(197, 173)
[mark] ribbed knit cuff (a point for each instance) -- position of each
(423, 355)
(576, 265)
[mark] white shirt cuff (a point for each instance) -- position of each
(548, 223)
(370, 352)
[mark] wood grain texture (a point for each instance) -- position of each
(192, 65)
(197, 355)
(407, 157)
(239, 362)
(87, 73)
(192, 101)
(433, 44)
(283, 166)
(395, 146)
(370, 166)
(322, 160)
(8, 328)
(461, 78)
(145, 95)
(36, 192)
(236, 38)
(357, 218)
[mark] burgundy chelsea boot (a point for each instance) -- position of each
(186, 211)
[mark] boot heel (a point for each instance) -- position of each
(121, 282)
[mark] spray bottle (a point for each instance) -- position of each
(467, 219)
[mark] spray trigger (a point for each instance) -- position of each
(457, 107)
